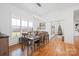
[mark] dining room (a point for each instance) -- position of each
(37, 29)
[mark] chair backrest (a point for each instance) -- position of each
(42, 37)
(23, 40)
(46, 36)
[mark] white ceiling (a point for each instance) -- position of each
(46, 8)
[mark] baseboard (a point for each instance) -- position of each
(13, 45)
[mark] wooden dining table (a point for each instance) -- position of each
(30, 41)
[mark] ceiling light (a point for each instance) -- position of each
(39, 4)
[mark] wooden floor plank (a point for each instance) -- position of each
(55, 47)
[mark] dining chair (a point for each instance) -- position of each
(42, 39)
(23, 42)
(46, 38)
(37, 44)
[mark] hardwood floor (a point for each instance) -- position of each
(55, 47)
(15, 50)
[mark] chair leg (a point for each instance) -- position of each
(34, 47)
(22, 46)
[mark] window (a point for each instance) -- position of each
(30, 24)
(24, 26)
(15, 27)
(15, 22)
(19, 26)
(24, 23)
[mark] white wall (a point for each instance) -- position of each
(68, 24)
(68, 15)
(8, 11)
(5, 19)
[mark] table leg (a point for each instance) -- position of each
(30, 48)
